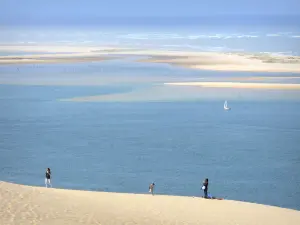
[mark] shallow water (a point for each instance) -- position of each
(250, 153)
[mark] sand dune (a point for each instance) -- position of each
(36, 205)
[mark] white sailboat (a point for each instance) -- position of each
(226, 106)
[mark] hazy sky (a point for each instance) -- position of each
(15, 11)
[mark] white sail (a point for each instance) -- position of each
(225, 106)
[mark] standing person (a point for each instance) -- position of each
(48, 177)
(205, 187)
(151, 188)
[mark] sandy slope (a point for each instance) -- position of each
(36, 205)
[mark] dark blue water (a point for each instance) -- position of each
(250, 153)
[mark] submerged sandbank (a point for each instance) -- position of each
(171, 93)
(37, 205)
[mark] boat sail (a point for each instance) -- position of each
(226, 106)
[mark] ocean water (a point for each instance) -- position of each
(243, 34)
(250, 153)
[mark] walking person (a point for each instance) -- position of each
(48, 178)
(205, 187)
(151, 188)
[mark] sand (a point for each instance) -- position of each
(53, 58)
(239, 85)
(254, 62)
(259, 78)
(37, 205)
(230, 62)
(218, 61)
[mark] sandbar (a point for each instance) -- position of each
(239, 85)
(218, 61)
(230, 62)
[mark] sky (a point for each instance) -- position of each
(18, 11)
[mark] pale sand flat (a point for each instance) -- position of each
(253, 67)
(223, 62)
(53, 60)
(195, 60)
(36, 205)
(259, 78)
(239, 85)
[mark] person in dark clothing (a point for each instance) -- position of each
(151, 188)
(205, 187)
(48, 177)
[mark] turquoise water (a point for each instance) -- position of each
(250, 153)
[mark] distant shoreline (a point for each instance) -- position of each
(217, 61)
